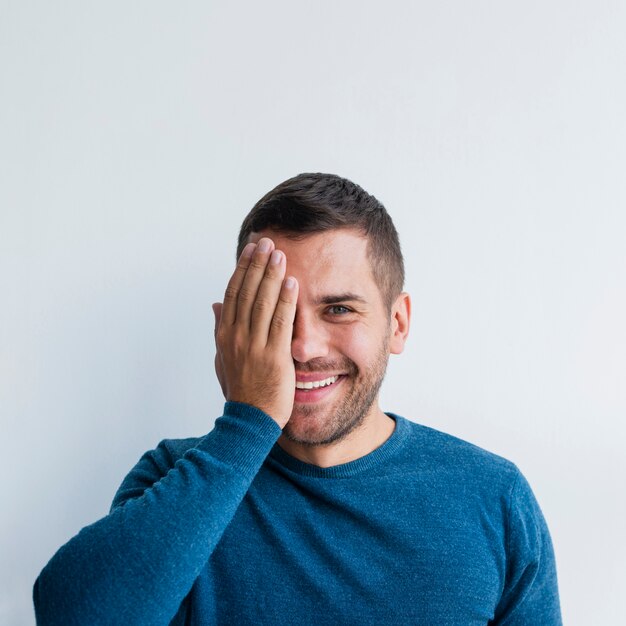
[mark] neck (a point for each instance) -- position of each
(371, 434)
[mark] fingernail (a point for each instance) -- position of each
(264, 245)
(276, 257)
(290, 283)
(248, 250)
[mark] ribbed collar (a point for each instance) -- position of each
(345, 470)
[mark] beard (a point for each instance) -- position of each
(318, 426)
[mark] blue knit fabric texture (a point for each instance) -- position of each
(230, 529)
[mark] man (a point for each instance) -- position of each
(306, 503)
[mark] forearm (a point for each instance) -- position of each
(139, 562)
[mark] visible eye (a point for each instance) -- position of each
(338, 309)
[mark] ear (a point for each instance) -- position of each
(400, 322)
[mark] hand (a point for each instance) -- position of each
(253, 330)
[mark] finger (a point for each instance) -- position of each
(217, 311)
(281, 327)
(229, 308)
(267, 297)
(252, 280)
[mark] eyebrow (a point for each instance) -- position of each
(341, 297)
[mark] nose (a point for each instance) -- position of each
(309, 340)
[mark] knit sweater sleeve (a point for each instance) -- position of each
(137, 564)
(530, 594)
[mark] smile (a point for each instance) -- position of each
(316, 384)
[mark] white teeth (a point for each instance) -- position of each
(317, 383)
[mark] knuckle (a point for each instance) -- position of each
(262, 305)
(286, 302)
(279, 320)
(257, 264)
(231, 293)
(240, 343)
(247, 293)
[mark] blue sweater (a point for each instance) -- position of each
(230, 529)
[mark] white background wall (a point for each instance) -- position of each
(134, 136)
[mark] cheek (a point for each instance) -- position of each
(357, 342)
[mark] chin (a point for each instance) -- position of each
(311, 430)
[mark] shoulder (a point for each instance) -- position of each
(436, 453)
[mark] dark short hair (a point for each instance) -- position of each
(313, 203)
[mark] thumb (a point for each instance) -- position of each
(217, 311)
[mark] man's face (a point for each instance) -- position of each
(340, 337)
